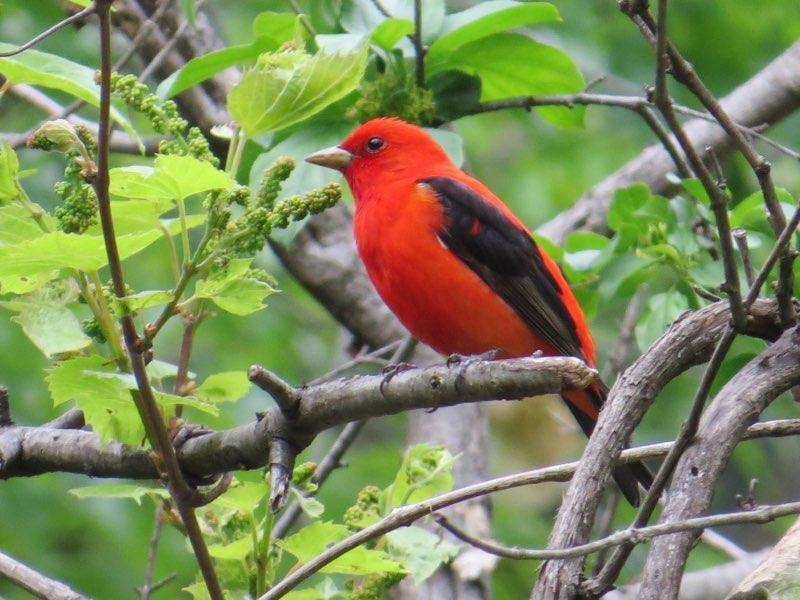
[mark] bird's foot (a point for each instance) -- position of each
(391, 370)
(203, 489)
(468, 359)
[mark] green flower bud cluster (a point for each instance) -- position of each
(77, 210)
(393, 95)
(296, 208)
(92, 328)
(302, 474)
(59, 135)
(164, 118)
(366, 510)
(272, 180)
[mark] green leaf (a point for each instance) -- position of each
(59, 250)
(237, 550)
(172, 177)
(243, 497)
(663, 309)
(9, 174)
(426, 471)
(288, 87)
(316, 537)
(363, 17)
(223, 387)
(390, 31)
(126, 491)
(54, 72)
(17, 225)
(49, 324)
(483, 20)
(312, 507)
(105, 400)
(420, 551)
(232, 290)
(584, 250)
(141, 300)
(511, 64)
(270, 30)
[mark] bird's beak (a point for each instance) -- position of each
(333, 158)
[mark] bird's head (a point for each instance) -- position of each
(381, 149)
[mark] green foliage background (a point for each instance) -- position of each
(99, 546)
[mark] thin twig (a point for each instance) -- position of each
(740, 236)
(158, 527)
(419, 47)
(89, 10)
(405, 515)
(162, 54)
(144, 399)
(634, 536)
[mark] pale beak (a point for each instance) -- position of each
(333, 158)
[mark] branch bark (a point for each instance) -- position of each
(34, 582)
(28, 451)
(688, 342)
(738, 404)
(765, 99)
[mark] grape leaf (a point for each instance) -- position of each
(425, 472)
(223, 387)
(127, 491)
(420, 551)
(49, 324)
(232, 290)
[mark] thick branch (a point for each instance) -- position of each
(31, 451)
(738, 404)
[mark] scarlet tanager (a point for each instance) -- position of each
(457, 267)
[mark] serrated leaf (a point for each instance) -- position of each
(511, 64)
(105, 401)
(54, 72)
(289, 87)
(224, 387)
(316, 537)
(483, 20)
(270, 30)
(420, 551)
(426, 471)
(233, 291)
(59, 250)
(49, 324)
(172, 177)
(126, 491)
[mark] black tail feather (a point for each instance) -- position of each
(627, 476)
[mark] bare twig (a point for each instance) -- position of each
(89, 10)
(162, 54)
(34, 582)
(405, 515)
(419, 48)
(762, 514)
(158, 526)
(740, 235)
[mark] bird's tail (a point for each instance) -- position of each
(585, 406)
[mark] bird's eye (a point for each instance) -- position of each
(374, 144)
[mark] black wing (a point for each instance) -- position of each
(507, 259)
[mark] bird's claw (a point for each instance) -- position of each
(464, 362)
(390, 371)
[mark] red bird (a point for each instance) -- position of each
(456, 266)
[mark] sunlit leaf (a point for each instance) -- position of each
(236, 550)
(485, 19)
(48, 323)
(426, 471)
(232, 290)
(223, 387)
(290, 86)
(9, 173)
(243, 497)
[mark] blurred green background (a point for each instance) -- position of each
(99, 546)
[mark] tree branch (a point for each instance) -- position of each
(765, 99)
(405, 515)
(34, 582)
